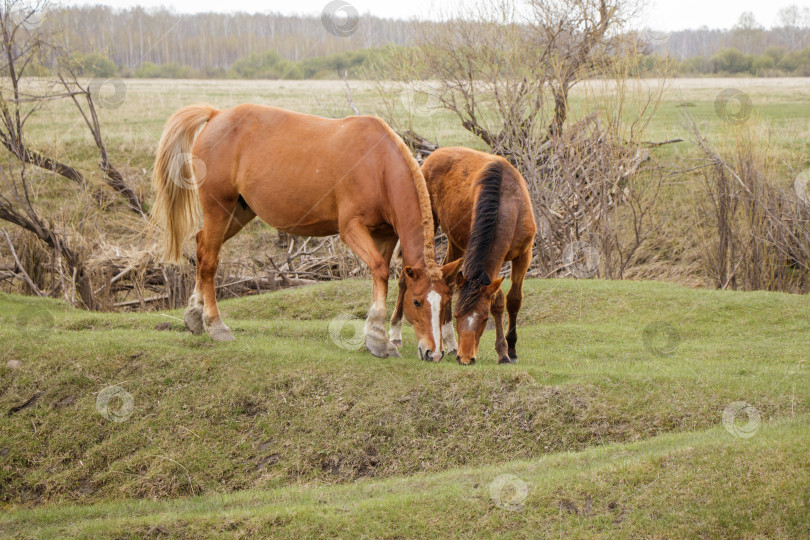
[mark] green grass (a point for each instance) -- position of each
(706, 484)
(612, 418)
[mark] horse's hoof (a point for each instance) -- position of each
(507, 360)
(193, 319)
(377, 348)
(222, 334)
(393, 351)
(396, 343)
(219, 332)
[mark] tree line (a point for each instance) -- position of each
(152, 43)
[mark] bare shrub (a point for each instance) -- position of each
(66, 240)
(751, 233)
(507, 73)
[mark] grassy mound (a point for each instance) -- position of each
(284, 405)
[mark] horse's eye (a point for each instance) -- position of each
(417, 303)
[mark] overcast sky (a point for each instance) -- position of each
(661, 14)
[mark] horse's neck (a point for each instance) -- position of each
(409, 225)
(412, 240)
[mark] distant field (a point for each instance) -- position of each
(637, 409)
(133, 112)
(779, 106)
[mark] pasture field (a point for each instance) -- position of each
(133, 112)
(636, 409)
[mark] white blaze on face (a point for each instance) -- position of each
(471, 320)
(435, 301)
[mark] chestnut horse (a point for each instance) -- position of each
(482, 204)
(304, 175)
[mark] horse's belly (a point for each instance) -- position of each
(294, 207)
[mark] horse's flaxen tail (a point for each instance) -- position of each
(483, 233)
(176, 204)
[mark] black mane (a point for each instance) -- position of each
(481, 237)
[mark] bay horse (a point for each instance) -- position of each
(482, 203)
(303, 175)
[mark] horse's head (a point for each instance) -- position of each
(472, 313)
(426, 306)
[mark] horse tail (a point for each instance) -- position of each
(176, 206)
(482, 234)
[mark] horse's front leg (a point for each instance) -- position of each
(514, 299)
(395, 333)
(496, 308)
(358, 238)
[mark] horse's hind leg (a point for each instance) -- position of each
(514, 299)
(193, 316)
(358, 238)
(220, 224)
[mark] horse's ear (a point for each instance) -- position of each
(495, 286)
(460, 279)
(449, 271)
(410, 272)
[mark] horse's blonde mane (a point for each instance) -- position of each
(433, 270)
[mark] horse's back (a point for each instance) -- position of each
(251, 128)
(295, 168)
(452, 175)
(455, 168)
